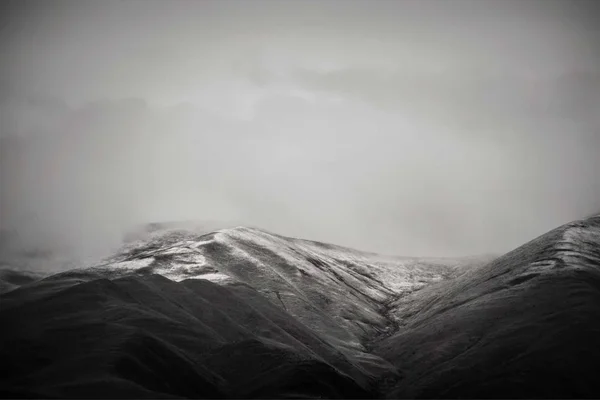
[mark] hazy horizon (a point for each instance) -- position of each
(416, 128)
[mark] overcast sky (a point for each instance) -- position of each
(436, 128)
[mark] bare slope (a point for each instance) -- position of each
(153, 337)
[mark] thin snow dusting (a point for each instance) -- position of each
(200, 243)
(133, 265)
(359, 281)
(581, 241)
(216, 277)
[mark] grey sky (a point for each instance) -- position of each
(409, 127)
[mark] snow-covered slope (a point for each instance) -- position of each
(336, 291)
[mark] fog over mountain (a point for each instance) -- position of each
(402, 127)
(299, 199)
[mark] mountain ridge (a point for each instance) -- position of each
(310, 319)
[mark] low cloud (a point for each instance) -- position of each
(387, 179)
(414, 127)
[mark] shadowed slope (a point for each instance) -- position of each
(149, 337)
(11, 278)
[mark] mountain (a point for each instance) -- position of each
(526, 325)
(245, 313)
(11, 278)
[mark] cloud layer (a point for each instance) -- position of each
(415, 128)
